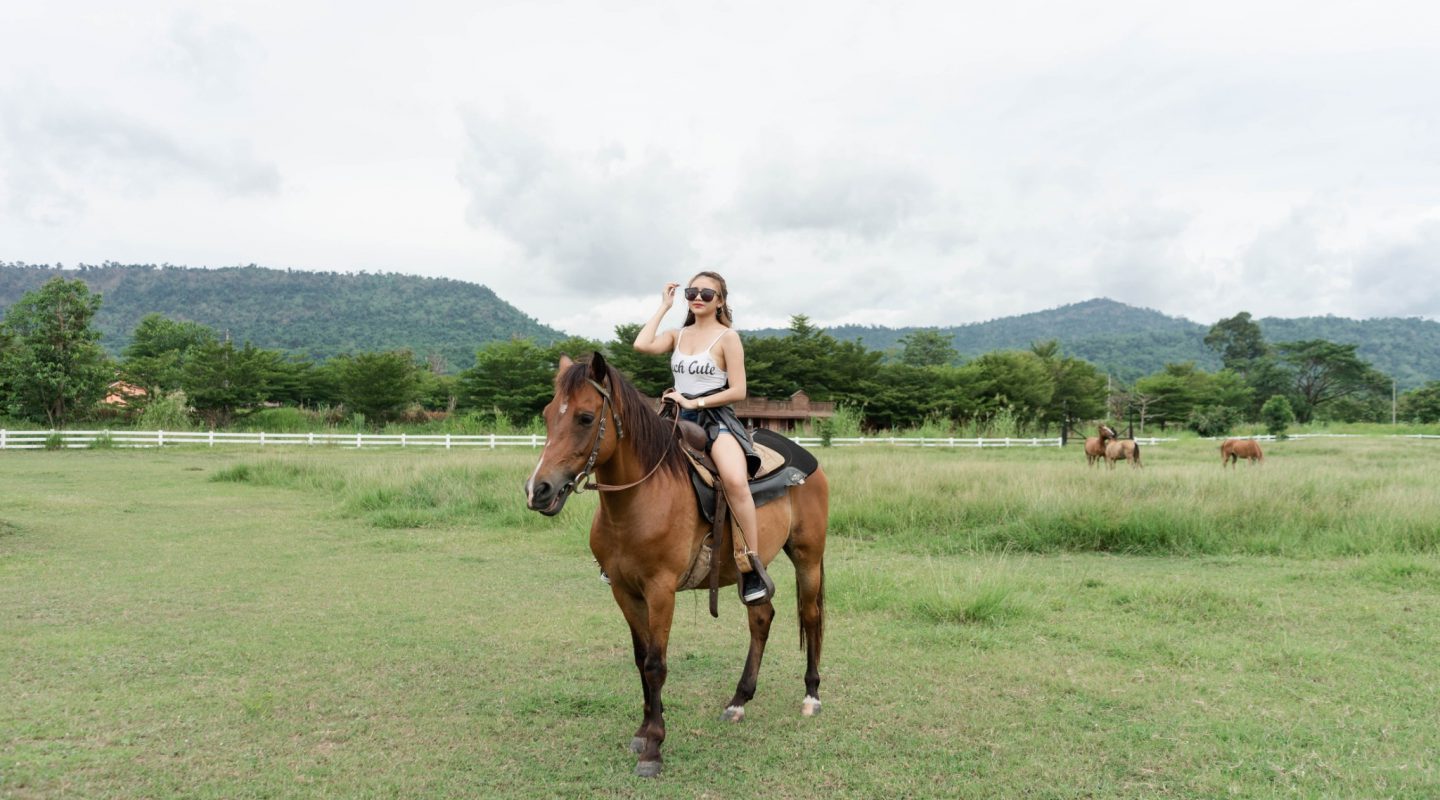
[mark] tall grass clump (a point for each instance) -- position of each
(168, 412)
(1313, 498)
(397, 490)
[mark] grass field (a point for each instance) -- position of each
(1008, 623)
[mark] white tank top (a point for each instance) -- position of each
(697, 373)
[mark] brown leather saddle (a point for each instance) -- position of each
(783, 464)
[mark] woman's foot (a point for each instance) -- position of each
(756, 588)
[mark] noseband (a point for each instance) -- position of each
(583, 480)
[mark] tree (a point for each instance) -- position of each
(1079, 387)
(379, 385)
(904, 396)
(809, 359)
(222, 381)
(1238, 340)
(1421, 405)
(1016, 380)
(1277, 415)
(928, 347)
(1215, 420)
(52, 364)
(1326, 371)
(513, 378)
(155, 357)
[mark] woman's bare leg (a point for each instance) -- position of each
(730, 460)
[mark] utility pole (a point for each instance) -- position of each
(1392, 401)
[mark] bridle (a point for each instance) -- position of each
(583, 479)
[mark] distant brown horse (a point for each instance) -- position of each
(648, 531)
(1232, 450)
(1117, 449)
(1095, 445)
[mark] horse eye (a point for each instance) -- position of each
(585, 418)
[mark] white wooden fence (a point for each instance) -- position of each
(36, 440)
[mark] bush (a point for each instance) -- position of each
(826, 428)
(1277, 415)
(1213, 420)
(165, 413)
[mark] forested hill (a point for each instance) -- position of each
(1130, 342)
(318, 314)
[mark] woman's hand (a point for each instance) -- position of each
(667, 296)
(673, 396)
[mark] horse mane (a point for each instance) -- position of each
(652, 438)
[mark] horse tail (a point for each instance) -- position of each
(1137, 452)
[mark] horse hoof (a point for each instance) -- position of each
(647, 769)
(810, 707)
(732, 714)
(637, 745)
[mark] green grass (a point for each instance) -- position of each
(330, 622)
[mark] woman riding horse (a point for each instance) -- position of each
(707, 380)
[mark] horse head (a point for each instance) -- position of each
(581, 431)
(1106, 432)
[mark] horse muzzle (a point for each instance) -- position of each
(547, 497)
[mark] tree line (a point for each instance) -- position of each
(53, 371)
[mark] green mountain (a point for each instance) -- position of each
(1130, 342)
(317, 314)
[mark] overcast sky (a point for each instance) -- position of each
(926, 163)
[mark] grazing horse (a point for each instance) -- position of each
(648, 531)
(1095, 445)
(1232, 450)
(1128, 449)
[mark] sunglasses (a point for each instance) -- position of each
(704, 294)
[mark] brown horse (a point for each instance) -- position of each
(1232, 450)
(1127, 449)
(647, 532)
(1095, 445)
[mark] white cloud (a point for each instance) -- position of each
(54, 155)
(601, 223)
(915, 163)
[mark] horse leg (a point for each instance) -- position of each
(760, 618)
(810, 589)
(650, 619)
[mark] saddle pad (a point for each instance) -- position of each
(796, 464)
(770, 462)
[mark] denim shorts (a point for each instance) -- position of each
(691, 415)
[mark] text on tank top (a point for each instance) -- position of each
(697, 372)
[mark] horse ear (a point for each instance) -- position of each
(598, 370)
(565, 363)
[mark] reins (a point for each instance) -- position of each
(583, 479)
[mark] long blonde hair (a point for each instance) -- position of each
(723, 314)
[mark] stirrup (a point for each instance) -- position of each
(758, 570)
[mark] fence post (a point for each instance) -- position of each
(357, 439)
(492, 440)
(311, 440)
(159, 438)
(447, 441)
(534, 439)
(402, 440)
(262, 438)
(212, 437)
(2, 438)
